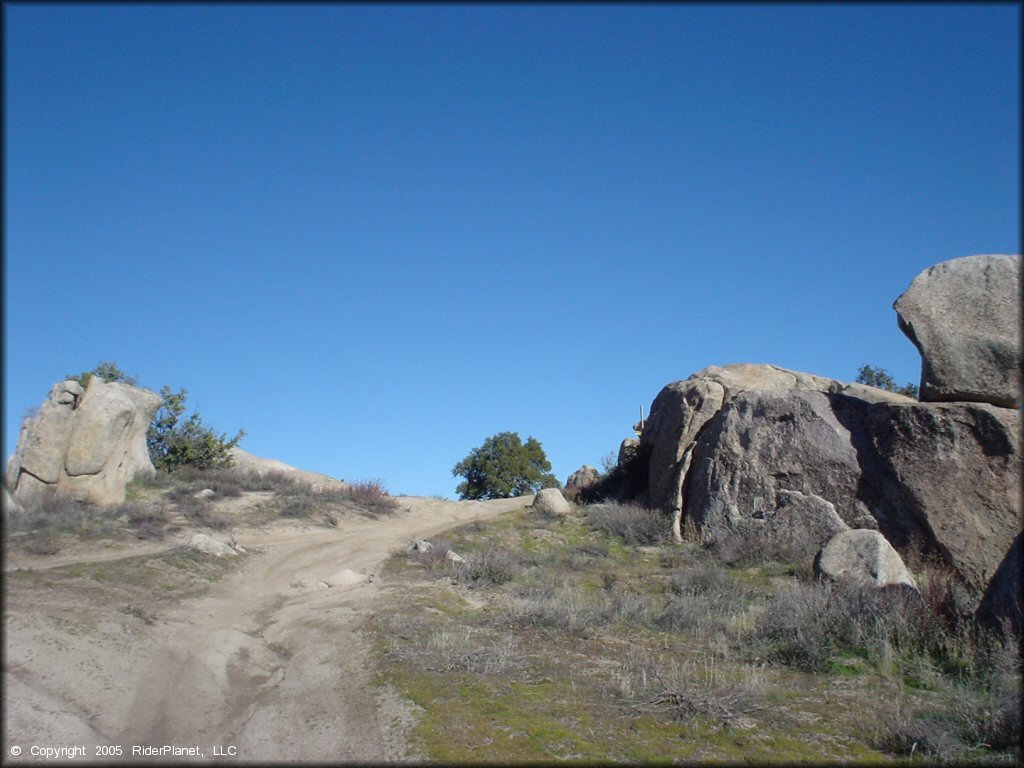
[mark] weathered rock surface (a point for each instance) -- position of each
(43, 441)
(682, 409)
(863, 557)
(1003, 603)
(84, 445)
(950, 474)
(963, 315)
(11, 506)
(764, 442)
(551, 501)
(583, 477)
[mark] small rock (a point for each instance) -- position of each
(204, 543)
(346, 577)
(205, 493)
(454, 557)
(420, 546)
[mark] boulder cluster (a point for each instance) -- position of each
(83, 444)
(846, 474)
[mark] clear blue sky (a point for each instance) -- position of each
(375, 235)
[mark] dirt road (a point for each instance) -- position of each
(268, 666)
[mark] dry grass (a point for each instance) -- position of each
(591, 647)
(373, 497)
(634, 525)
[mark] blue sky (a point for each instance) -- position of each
(375, 235)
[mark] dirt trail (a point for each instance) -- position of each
(269, 666)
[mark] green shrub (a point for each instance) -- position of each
(175, 443)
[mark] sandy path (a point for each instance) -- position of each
(269, 666)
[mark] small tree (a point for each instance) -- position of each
(174, 443)
(503, 467)
(879, 377)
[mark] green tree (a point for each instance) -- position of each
(108, 372)
(502, 467)
(879, 377)
(175, 443)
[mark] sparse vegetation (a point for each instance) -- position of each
(576, 640)
(633, 524)
(879, 377)
(161, 504)
(373, 496)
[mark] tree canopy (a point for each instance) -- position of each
(503, 467)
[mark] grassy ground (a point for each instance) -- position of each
(587, 637)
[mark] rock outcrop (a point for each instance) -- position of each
(627, 450)
(83, 445)
(947, 474)
(963, 315)
(756, 455)
(863, 557)
(683, 409)
(550, 501)
(584, 477)
(316, 481)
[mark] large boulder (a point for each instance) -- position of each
(948, 474)
(773, 460)
(38, 459)
(550, 501)
(963, 315)
(84, 445)
(731, 446)
(865, 558)
(584, 477)
(683, 409)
